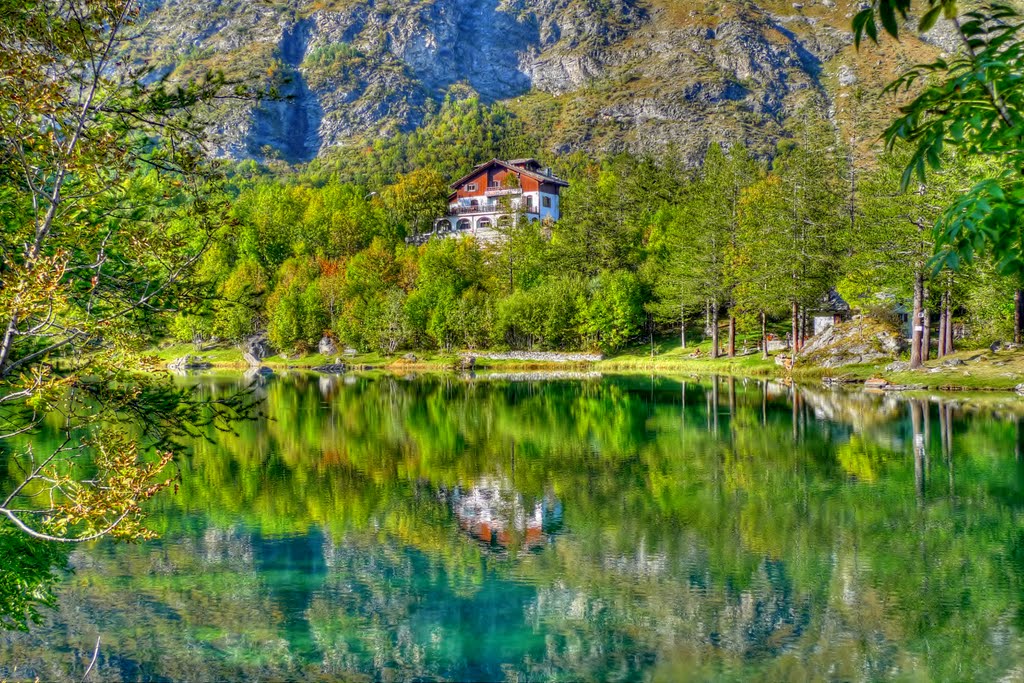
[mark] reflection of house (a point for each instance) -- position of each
(493, 512)
(497, 191)
(831, 310)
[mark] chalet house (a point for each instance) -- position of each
(494, 513)
(831, 310)
(496, 191)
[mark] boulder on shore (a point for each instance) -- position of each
(860, 340)
(327, 347)
(255, 349)
(189, 363)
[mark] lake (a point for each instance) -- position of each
(387, 528)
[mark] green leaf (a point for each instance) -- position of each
(929, 19)
(888, 15)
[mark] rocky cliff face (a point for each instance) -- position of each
(612, 74)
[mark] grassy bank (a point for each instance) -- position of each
(974, 370)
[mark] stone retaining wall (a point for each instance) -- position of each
(539, 357)
(542, 376)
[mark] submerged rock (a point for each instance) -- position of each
(258, 373)
(332, 369)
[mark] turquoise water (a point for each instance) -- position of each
(621, 529)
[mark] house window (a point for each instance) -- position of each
(529, 203)
(471, 187)
(547, 202)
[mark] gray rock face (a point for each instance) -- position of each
(327, 347)
(189, 363)
(543, 357)
(647, 74)
(860, 340)
(255, 349)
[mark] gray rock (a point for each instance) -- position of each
(846, 76)
(410, 357)
(1019, 389)
(333, 369)
(354, 69)
(898, 366)
(327, 347)
(860, 340)
(189, 363)
(953, 363)
(258, 347)
(542, 357)
(258, 373)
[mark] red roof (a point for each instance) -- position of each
(511, 166)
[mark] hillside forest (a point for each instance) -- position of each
(646, 248)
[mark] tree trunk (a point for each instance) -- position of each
(926, 333)
(949, 321)
(943, 303)
(915, 322)
(803, 328)
(682, 330)
(714, 329)
(764, 336)
(732, 336)
(650, 327)
(1018, 303)
(795, 313)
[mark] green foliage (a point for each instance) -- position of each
(459, 135)
(615, 313)
(297, 316)
(107, 207)
(972, 102)
(544, 317)
(28, 572)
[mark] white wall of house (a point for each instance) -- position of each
(531, 200)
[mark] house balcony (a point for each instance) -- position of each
(490, 208)
(501, 191)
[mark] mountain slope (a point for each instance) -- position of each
(594, 75)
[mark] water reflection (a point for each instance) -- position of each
(617, 529)
(493, 512)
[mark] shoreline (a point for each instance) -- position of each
(970, 370)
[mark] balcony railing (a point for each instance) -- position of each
(488, 208)
(501, 191)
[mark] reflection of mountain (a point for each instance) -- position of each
(495, 513)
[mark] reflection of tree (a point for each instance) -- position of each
(28, 572)
(733, 551)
